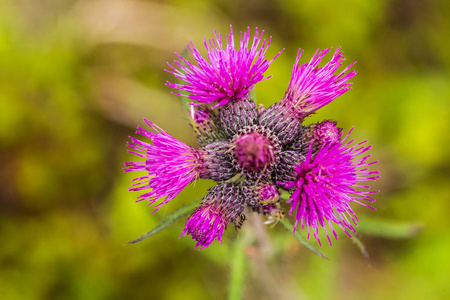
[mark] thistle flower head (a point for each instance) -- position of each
(206, 224)
(268, 193)
(205, 123)
(227, 73)
(254, 151)
(218, 162)
(169, 163)
(222, 204)
(260, 193)
(312, 87)
(326, 185)
(325, 132)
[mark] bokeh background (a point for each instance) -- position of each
(77, 77)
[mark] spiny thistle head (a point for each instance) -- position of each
(312, 87)
(252, 152)
(268, 193)
(169, 163)
(260, 192)
(326, 185)
(322, 133)
(227, 73)
(222, 204)
(204, 123)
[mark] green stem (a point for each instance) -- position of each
(238, 268)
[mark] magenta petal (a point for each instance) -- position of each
(227, 73)
(221, 205)
(327, 184)
(169, 163)
(206, 224)
(312, 87)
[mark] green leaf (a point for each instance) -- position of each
(301, 239)
(389, 229)
(362, 248)
(180, 213)
(238, 267)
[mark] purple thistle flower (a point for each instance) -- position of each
(251, 152)
(254, 151)
(326, 185)
(312, 87)
(227, 73)
(171, 165)
(206, 224)
(325, 132)
(204, 122)
(201, 116)
(221, 205)
(268, 193)
(260, 193)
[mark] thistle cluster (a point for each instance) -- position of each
(252, 152)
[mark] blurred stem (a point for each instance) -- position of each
(259, 255)
(238, 268)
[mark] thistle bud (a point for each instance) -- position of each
(205, 123)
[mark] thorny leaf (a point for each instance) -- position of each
(301, 239)
(178, 214)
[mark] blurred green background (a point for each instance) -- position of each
(77, 77)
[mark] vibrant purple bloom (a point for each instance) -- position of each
(206, 224)
(325, 132)
(260, 192)
(169, 163)
(252, 152)
(221, 205)
(312, 87)
(326, 185)
(268, 193)
(227, 73)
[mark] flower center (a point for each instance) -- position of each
(254, 151)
